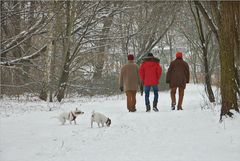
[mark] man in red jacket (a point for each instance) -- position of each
(150, 72)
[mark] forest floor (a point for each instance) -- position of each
(30, 133)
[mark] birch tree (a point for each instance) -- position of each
(48, 56)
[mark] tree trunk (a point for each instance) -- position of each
(17, 29)
(195, 68)
(48, 60)
(228, 21)
(237, 45)
(169, 39)
(63, 80)
(101, 56)
(28, 47)
(204, 47)
(67, 53)
(17, 52)
(208, 77)
(226, 37)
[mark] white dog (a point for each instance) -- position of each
(100, 118)
(71, 116)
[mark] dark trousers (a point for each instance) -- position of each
(180, 99)
(131, 100)
(147, 93)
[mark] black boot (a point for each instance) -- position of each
(173, 106)
(179, 108)
(155, 106)
(148, 108)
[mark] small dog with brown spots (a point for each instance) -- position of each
(70, 116)
(100, 119)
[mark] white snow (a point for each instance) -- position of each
(29, 133)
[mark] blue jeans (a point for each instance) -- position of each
(147, 92)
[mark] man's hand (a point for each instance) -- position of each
(121, 89)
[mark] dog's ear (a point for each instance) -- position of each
(109, 121)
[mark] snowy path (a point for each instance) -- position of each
(189, 135)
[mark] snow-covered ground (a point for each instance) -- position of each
(29, 133)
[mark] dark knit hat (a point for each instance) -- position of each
(130, 57)
(179, 55)
(149, 54)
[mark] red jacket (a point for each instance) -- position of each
(150, 71)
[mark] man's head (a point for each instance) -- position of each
(130, 57)
(179, 55)
(149, 54)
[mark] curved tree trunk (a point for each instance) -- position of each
(208, 77)
(204, 46)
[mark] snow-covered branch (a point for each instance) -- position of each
(21, 37)
(32, 56)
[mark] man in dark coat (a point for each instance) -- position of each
(177, 77)
(150, 72)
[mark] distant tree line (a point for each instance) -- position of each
(54, 49)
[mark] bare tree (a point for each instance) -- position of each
(204, 41)
(19, 27)
(225, 19)
(103, 38)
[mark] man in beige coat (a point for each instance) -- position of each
(129, 82)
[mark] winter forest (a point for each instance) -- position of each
(69, 53)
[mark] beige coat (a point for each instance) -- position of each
(129, 77)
